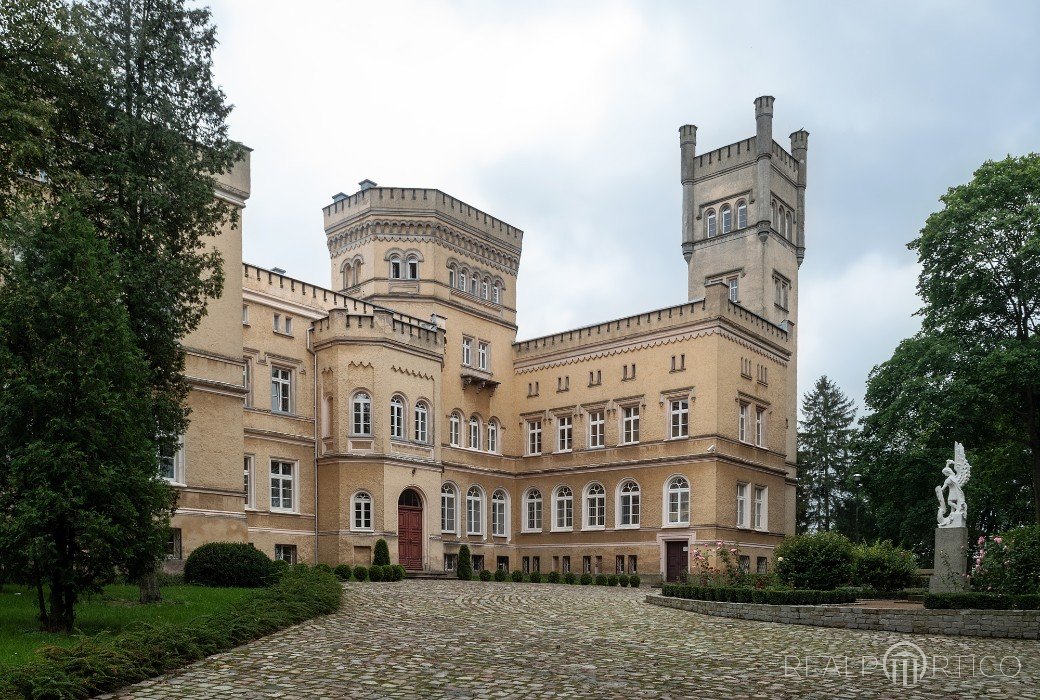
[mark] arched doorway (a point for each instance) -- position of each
(409, 530)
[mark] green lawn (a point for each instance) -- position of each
(110, 611)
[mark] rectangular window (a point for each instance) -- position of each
(281, 390)
(632, 564)
(680, 423)
(288, 325)
(760, 508)
(247, 481)
(467, 351)
(745, 368)
(478, 562)
(245, 315)
(630, 424)
(564, 433)
(536, 564)
(483, 353)
(566, 564)
(762, 565)
(679, 363)
(760, 427)
(247, 380)
(282, 485)
(734, 288)
(534, 437)
(525, 565)
(532, 389)
(596, 377)
(742, 423)
(619, 564)
(286, 553)
(171, 462)
(597, 433)
(742, 504)
(744, 561)
(451, 562)
(174, 546)
(628, 372)
(586, 565)
(277, 323)
(781, 292)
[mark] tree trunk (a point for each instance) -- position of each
(149, 588)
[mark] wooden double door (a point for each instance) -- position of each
(409, 530)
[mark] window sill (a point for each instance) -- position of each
(474, 534)
(531, 532)
(562, 529)
(174, 482)
(533, 454)
(627, 527)
(283, 334)
(363, 530)
(593, 528)
(597, 447)
(678, 437)
(626, 444)
(285, 511)
(361, 436)
(562, 452)
(675, 526)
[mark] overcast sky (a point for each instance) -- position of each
(562, 119)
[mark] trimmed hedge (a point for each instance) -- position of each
(981, 601)
(601, 579)
(623, 580)
(344, 572)
(381, 555)
(536, 577)
(229, 564)
(570, 578)
(613, 580)
(517, 576)
(553, 577)
(465, 566)
(755, 595)
(360, 573)
(818, 561)
(485, 575)
(586, 579)
(375, 573)
(501, 575)
(106, 662)
(634, 580)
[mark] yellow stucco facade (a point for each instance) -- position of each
(396, 402)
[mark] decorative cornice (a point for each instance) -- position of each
(412, 373)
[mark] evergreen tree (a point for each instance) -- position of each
(79, 486)
(381, 557)
(824, 456)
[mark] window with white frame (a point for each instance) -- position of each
(474, 511)
(247, 380)
(630, 424)
(485, 288)
(678, 497)
(395, 267)
(171, 462)
(533, 510)
(534, 437)
(781, 292)
(483, 355)
(597, 429)
(281, 389)
(564, 433)
(361, 414)
(628, 504)
(245, 315)
(247, 481)
(397, 418)
(595, 506)
(709, 223)
(492, 436)
(742, 422)
(362, 511)
(288, 325)
(473, 284)
(422, 422)
(760, 508)
(742, 505)
(679, 410)
(174, 544)
(496, 293)
(462, 280)
(451, 275)
(286, 553)
(563, 505)
(760, 426)
(283, 485)
(733, 283)
(474, 433)
(741, 214)
(499, 513)
(727, 218)
(455, 430)
(277, 323)
(467, 351)
(413, 267)
(448, 516)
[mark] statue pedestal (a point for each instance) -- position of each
(951, 560)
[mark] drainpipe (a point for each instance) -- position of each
(314, 392)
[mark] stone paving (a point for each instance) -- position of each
(453, 639)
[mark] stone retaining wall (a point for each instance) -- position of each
(1012, 624)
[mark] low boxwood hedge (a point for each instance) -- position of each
(981, 601)
(501, 575)
(553, 577)
(586, 579)
(570, 578)
(755, 595)
(601, 579)
(107, 662)
(485, 575)
(634, 581)
(536, 577)
(517, 576)
(623, 580)
(360, 573)
(344, 572)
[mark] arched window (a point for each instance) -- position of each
(776, 223)
(462, 279)
(413, 267)
(787, 226)
(474, 433)
(499, 514)
(455, 430)
(397, 418)
(473, 282)
(474, 511)
(628, 504)
(485, 288)
(742, 214)
(452, 272)
(727, 218)
(422, 422)
(448, 510)
(361, 424)
(496, 293)
(563, 505)
(709, 223)
(678, 501)
(780, 220)
(362, 519)
(357, 272)
(395, 267)
(346, 271)
(533, 510)
(492, 436)
(326, 417)
(595, 506)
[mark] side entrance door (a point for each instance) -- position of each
(409, 531)
(676, 560)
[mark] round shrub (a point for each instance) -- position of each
(634, 581)
(536, 577)
(517, 576)
(586, 579)
(601, 579)
(501, 575)
(381, 556)
(225, 564)
(325, 568)
(302, 567)
(622, 579)
(361, 572)
(465, 567)
(485, 575)
(553, 577)
(570, 578)
(822, 561)
(375, 573)
(344, 572)
(612, 580)
(398, 572)
(884, 567)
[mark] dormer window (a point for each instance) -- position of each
(709, 223)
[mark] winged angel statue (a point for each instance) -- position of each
(953, 509)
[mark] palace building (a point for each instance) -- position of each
(396, 402)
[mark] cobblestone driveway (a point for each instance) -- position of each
(433, 639)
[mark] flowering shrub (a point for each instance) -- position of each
(715, 565)
(1008, 563)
